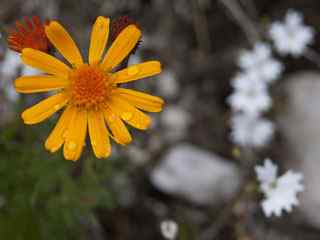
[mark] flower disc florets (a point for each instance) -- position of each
(89, 86)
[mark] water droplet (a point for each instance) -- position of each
(72, 145)
(93, 143)
(133, 70)
(127, 115)
(57, 107)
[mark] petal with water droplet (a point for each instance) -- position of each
(137, 71)
(76, 136)
(59, 133)
(117, 127)
(136, 118)
(140, 100)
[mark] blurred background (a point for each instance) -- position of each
(184, 168)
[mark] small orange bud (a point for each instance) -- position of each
(31, 34)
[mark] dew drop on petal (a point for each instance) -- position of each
(57, 107)
(71, 145)
(133, 70)
(127, 115)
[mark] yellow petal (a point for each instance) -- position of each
(121, 47)
(58, 134)
(34, 84)
(44, 109)
(99, 38)
(44, 62)
(140, 100)
(129, 113)
(117, 127)
(99, 134)
(137, 71)
(76, 136)
(61, 39)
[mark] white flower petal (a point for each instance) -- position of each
(281, 193)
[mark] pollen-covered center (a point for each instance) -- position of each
(89, 86)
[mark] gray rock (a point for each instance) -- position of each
(197, 175)
(299, 126)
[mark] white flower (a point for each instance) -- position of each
(176, 121)
(280, 193)
(260, 62)
(291, 36)
(169, 229)
(250, 130)
(11, 63)
(259, 54)
(267, 173)
(269, 71)
(250, 95)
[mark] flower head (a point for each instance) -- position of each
(250, 94)
(291, 36)
(259, 62)
(280, 193)
(29, 35)
(89, 92)
(250, 130)
(256, 56)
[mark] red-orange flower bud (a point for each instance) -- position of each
(31, 34)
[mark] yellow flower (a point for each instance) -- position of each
(89, 92)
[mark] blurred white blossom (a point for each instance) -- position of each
(260, 53)
(280, 193)
(169, 229)
(137, 155)
(260, 63)
(291, 36)
(9, 68)
(167, 84)
(176, 120)
(10, 64)
(250, 95)
(250, 130)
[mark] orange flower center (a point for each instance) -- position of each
(89, 86)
